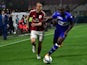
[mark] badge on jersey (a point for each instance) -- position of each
(40, 16)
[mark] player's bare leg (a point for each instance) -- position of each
(33, 45)
(60, 39)
(56, 46)
(39, 47)
(40, 39)
(39, 50)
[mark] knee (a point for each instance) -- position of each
(33, 40)
(59, 41)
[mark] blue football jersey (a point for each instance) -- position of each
(62, 21)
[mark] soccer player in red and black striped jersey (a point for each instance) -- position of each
(37, 30)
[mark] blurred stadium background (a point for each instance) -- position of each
(77, 7)
(16, 50)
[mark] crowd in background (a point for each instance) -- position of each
(14, 24)
(9, 25)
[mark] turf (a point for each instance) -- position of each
(73, 52)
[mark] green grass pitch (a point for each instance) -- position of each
(17, 50)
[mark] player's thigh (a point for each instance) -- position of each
(56, 35)
(40, 36)
(61, 38)
(33, 36)
(55, 39)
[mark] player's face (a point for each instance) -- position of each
(39, 7)
(62, 10)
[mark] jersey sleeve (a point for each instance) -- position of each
(42, 16)
(55, 14)
(30, 14)
(71, 18)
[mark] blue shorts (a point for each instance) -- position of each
(58, 34)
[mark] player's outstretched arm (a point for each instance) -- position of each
(54, 21)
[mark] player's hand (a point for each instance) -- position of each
(33, 24)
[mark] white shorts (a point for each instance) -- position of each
(35, 34)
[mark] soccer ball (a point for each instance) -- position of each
(47, 59)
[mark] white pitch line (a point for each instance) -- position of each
(26, 39)
(21, 41)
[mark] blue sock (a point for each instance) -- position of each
(53, 49)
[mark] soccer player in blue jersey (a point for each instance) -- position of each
(64, 23)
